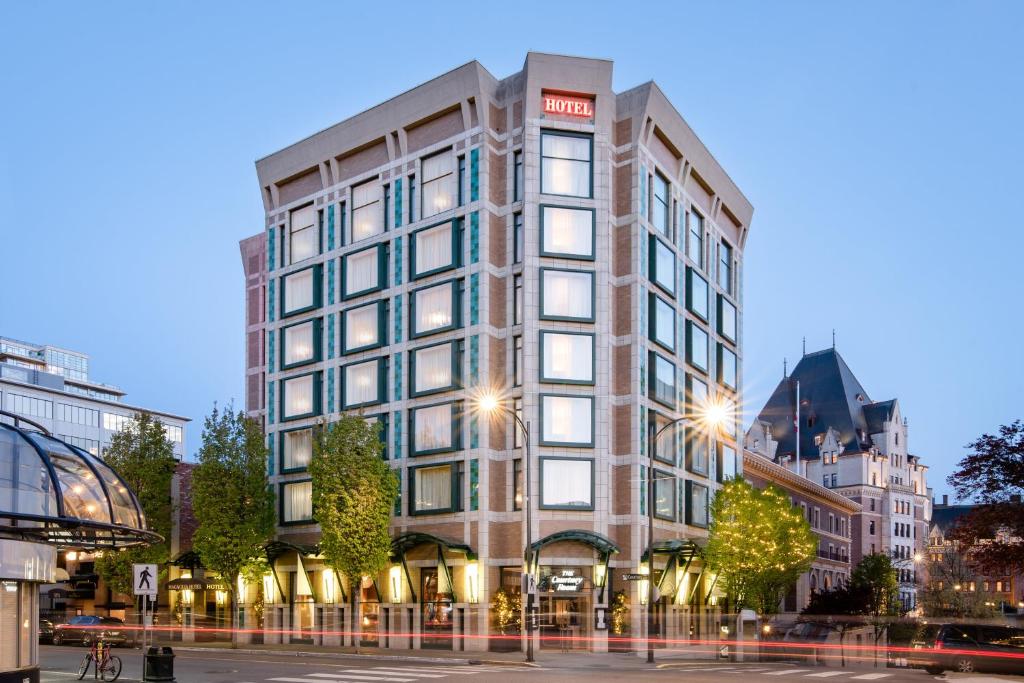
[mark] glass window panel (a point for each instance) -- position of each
(567, 483)
(25, 486)
(83, 497)
(433, 427)
(297, 501)
(664, 323)
(434, 308)
(725, 267)
(696, 294)
(568, 357)
(666, 441)
(695, 245)
(434, 249)
(664, 385)
(664, 265)
(303, 238)
(697, 504)
(362, 271)
(568, 419)
(438, 184)
(726, 367)
(565, 165)
(696, 346)
(367, 216)
(660, 205)
(697, 451)
(433, 488)
(298, 396)
(726, 319)
(568, 231)
(361, 383)
(298, 343)
(298, 448)
(696, 396)
(664, 495)
(567, 294)
(362, 327)
(298, 290)
(433, 368)
(726, 462)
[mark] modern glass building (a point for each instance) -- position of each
(575, 250)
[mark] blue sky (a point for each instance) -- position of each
(880, 144)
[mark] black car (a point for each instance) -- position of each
(45, 631)
(86, 629)
(968, 647)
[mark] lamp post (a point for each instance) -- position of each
(490, 404)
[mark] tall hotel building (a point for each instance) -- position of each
(578, 250)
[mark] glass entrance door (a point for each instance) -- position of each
(437, 611)
(369, 614)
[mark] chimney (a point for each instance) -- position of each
(945, 499)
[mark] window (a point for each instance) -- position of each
(297, 502)
(725, 267)
(412, 198)
(300, 396)
(387, 206)
(726, 367)
(660, 205)
(695, 245)
(438, 183)
(696, 504)
(565, 164)
(296, 449)
(89, 445)
(517, 299)
(300, 344)
(697, 451)
(566, 484)
(172, 433)
(567, 420)
(364, 271)
(663, 322)
(663, 380)
(664, 495)
(300, 291)
(78, 415)
(662, 265)
(696, 346)
(435, 308)
(303, 240)
(29, 406)
(566, 295)
(111, 421)
(696, 294)
(696, 396)
(517, 360)
(666, 438)
(871, 528)
(380, 422)
(726, 462)
(726, 319)
(517, 237)
(367, 215)
(363, 327)
(567, 357)
(435, 368)
(517, 484)
(364, 384)
(434, 489)
(435, 428)
(435, 249)
(567, 233)
(517, 175)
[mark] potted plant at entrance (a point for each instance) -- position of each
(506, 612)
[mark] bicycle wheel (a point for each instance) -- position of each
(84, 666)
(111, 670)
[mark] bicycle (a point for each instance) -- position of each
(108, 666)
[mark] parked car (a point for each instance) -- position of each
(968, 648)
(45, 631)
(84, 629)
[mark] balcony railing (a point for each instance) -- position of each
(833, 555)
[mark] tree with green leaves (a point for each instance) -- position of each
(758, 543)
(875, 581)
(947, 595)
(354, 494)
(230, 498)
(144, 457)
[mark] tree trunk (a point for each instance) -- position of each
(232, 619)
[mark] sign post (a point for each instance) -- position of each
(144, 586)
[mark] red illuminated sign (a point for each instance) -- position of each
(565, 105)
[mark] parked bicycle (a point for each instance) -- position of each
(107, 666)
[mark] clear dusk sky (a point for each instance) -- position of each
(880, 143)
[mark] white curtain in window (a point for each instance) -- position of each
(298, 448)
(302, 226)
(361, 383)
(569, 357)
(298, 290)
(361, 272)
(298, 343)
(434, 308)
(567, 482)
(433, 427)
(568, 294)
(664, 323)
(699, 504)
(568, 231)
(298, 396)
(438, 184)
(367, 217)
(568, 419)
(361, 327)
(433, 248)
(433, 367)
(434, 488)
(565, 165)
(298, 501)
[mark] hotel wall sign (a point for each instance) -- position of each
(566, 580)
(567, 105)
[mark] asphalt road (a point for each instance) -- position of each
(58, 663)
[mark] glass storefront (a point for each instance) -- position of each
(437, 625)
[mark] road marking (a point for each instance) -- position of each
(870, 677)
(460, 671)
(786, 672)
(407, 672)
(362, 675)
(341, 677)
(735, 671)
(826, 674)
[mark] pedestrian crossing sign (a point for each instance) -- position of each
(144, 579)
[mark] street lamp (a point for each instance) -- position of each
(490, 404)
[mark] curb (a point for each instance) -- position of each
(461, 661)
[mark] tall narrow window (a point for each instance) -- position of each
(517, 483)
(517, 175)
(517, 237)
(412, 198)
(726, 367)
(663, 380)
(438, 183)
(696, 294)
(303, 241)
(726, 462)
(662, 265)
(696, 346)
(725, 267)
(695, 245)
(517, 299)
(696, 504)
(664, 495)
(566, 232)
(663, 322)
(367, 216)
(517, 360)
(387, 206)
(462, 180)
(660, 205)
(565, 164)
(727, 322)
(567, 295)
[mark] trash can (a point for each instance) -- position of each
(158, 665)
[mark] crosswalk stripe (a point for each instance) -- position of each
(870, 677)
(340, 679)
(461, 671)
(363, 675)
(786, 672)
(407, 672)
(826, 674)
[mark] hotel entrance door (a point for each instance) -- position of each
(566, 608)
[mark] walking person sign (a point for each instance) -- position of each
(144, 579)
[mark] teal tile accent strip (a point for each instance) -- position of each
(474, 299)
(271, 299)
(643, 191)
(330, 281)
(270, 403)
(398, 498)
(474, 237)
(643, 490)
(398, 376)
(330, 390)
(270, 350)
(397, 422)
(474, 432)
(330, 227)
(474, 484)
(271, 241)
(398, 202)
(643, 430)
(398, 318)
(270, 455)
(474, 174)
(330, 335)
(474, 360)
(398, 261)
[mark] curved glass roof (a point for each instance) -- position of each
(53, 492)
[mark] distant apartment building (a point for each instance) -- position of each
(578, 250)
(821, 423)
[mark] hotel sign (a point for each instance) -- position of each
(567, 105)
